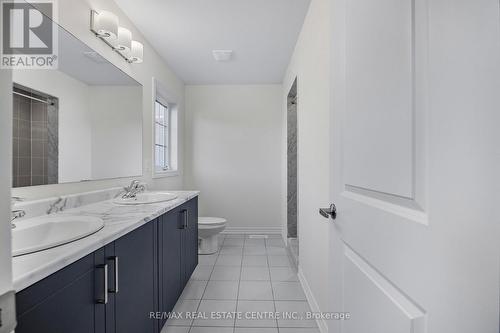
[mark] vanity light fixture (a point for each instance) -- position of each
(105, 26)
(124, 41)
(137, 52)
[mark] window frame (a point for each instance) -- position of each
(165, 98)
(167, 130)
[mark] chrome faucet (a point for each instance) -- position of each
(16, 214)
(133, 189)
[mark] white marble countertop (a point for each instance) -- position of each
(118, 221)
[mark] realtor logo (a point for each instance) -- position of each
(29, 35)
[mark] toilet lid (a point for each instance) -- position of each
(211, 220)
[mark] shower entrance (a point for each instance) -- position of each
(292, 230)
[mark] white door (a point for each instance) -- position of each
(415, 155)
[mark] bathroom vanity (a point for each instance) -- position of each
(99, 261)
(126, 273)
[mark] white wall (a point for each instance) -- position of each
(5, 179)
(310, 63)
(74, 17)
(116, 131)
(233, 153)
(74, 119)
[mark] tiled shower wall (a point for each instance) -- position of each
(35, 155)
(292, 161)
(21, 142)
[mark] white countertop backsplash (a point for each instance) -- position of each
(39, 207)
(118, 221)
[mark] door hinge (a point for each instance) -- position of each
(7, 312)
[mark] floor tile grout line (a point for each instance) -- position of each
(239, 283)
(271, 283)
(241, 266)
(204, 290)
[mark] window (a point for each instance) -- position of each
(162, 136)
(165, 132)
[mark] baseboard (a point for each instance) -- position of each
(253, 230)
(322, 325)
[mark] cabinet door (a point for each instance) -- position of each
(169, 230)
(108, 258)
(63, 302)
(137, 280)
(189, 213)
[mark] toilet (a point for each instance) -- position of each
(209, 229)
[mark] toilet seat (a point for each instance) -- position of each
(211, 221)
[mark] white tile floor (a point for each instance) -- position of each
(249, 276)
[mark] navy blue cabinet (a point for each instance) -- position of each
(63, 302)
(178, 254)
(169, 231)
(132, 281)
(190, 239)
(116, 288)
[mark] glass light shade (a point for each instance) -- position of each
(106, 25)
(124, 41)
(136, 52)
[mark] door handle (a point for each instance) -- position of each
(186, 218)
(329, 212)
(115, 285)
(104, 298)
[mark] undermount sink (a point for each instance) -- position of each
(146, 198)
(41, 233)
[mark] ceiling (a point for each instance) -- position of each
(261, 33)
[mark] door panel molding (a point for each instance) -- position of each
(384, 147)
(403, 207)
(382, 306)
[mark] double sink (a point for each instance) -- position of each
(44, 232)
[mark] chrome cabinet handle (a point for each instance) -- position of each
(186, 217)
(184, 213)
(104, 298)
(329, 212)
(115, 262)
(183, 223)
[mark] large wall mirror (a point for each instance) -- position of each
(80, 122)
